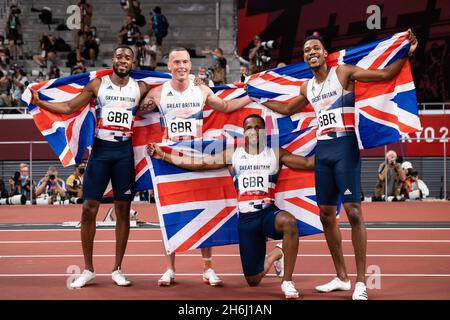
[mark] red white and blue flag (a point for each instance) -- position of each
(198, 209)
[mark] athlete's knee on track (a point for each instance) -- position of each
(253, 281)
(327, 219)
(89, 212)
(289, 225)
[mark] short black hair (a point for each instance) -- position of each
(254, 115)
(123, 46)
(314, 37)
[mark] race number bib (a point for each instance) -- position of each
(253, 182)
(182, 127)
(117, 117)
(330, 119)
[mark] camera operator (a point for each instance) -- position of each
(48, 50)
(219, 66)
(129, 34)
(390, 178)
(51, 186)
(259, 55)
(20, 183)
(74, 182)
(19, 82)
(146, 54)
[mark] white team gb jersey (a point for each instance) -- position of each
(115, 109)
(181, 112)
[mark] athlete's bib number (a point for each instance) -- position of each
(330, 119)
(253, 182)
(182, 127)
(117, 117)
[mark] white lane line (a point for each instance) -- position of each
(301, 241)
(158, 229)
(225, 274)
(221, 255)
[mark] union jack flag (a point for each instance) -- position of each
(383, 110)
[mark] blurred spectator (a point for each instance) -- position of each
(219, 66)
(5, 88)
(51, 187)
(20, 182)
(40, 77)
(160, 26)
(14, 32)
(19, 83)
(5, 58)
(74, 182)
(204, 75)
(48, 51)
(54, 73)
(243, 73)
(91, 46)
(133, 8)
(419, 189)
(129, 34)
(253, 56)
(146, 54)
(390, 178)
(86, 10)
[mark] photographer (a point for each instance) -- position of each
(129, 34)
(413, 188)
(390, 178)
(146, 54)
(259, 55)
(74, 182)
(19, 82)
(219, 66)
(20, 183)
(48, 51)
(51, 187)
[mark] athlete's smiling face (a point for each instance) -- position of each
(254, 131)
(122, 62)
(179, 65)
(314, 53)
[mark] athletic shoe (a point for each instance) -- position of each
(288, 288)
(83, 279)
(209, 276)
(120, 279)
(167, 278)
(360, 292)
(279, 264)
(335, 284)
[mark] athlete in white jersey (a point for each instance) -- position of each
(255, 170)
(181, 106)
(117, 99)
(338, 165)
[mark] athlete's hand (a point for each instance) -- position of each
(34, 97)
(147, 104)
(413, 41)
(155, 151)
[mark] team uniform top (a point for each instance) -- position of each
(334, 107)
(255, 177)
(115, 109)
(181, 113)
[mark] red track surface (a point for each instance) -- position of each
(414, 264)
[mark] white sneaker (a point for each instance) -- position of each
(360, 292)
(288, 288)
(279, 264)
(335, 284)
(167, 278)
(209, 276)
(83, 279)
(120, 279)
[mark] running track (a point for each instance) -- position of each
(36, 264)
